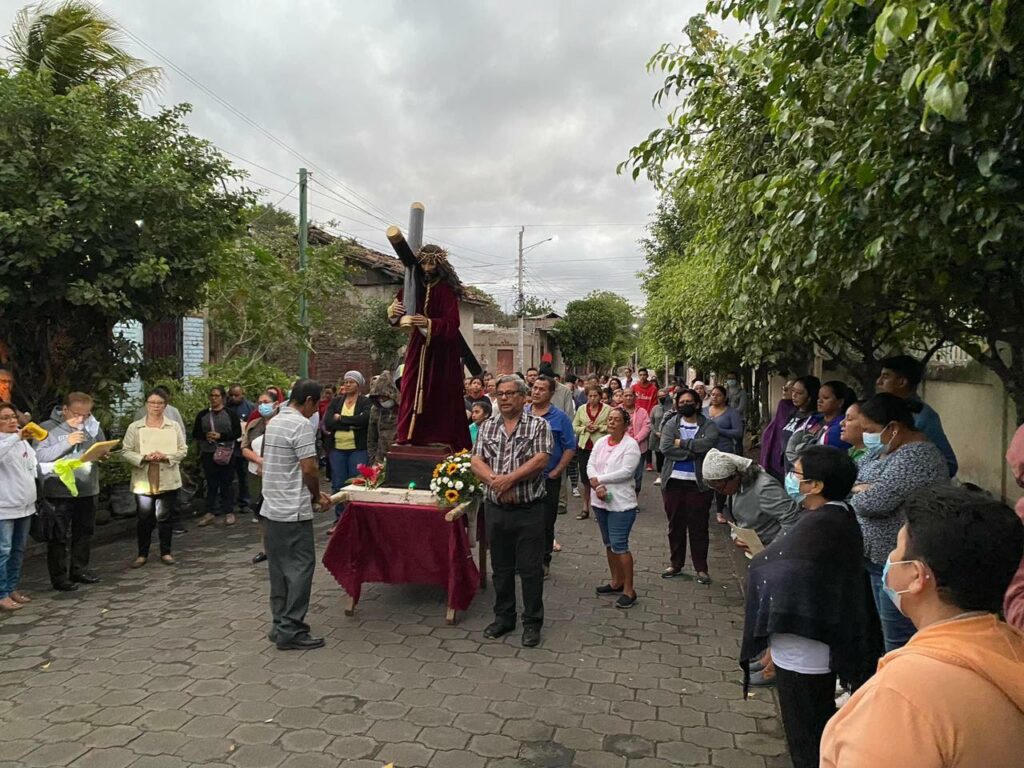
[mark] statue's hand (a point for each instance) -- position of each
(419, 321)
(396, 309)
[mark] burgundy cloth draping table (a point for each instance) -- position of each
(402, 544)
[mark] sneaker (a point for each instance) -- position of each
(703, 578)
(230, 519)
(608, 589)
(650, 467)
(206, 519)
(179, 529)
(575, 492)
(625, 601)
(657, 481)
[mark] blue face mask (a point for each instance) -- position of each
(793, 488)
(266, 409)
(872, 440)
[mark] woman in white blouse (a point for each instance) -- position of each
(611, 469)
(17, 503)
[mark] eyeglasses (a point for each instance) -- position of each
(8, 416)
(156, 403)
(503, 395)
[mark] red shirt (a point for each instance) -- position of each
(646, 395)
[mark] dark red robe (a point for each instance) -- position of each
(432, 409)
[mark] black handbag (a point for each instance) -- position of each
(47, 523)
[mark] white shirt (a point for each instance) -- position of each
(614, 467)
(799, 654)
(17, 477)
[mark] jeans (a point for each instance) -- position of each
(615, 527)
(553, 489)
(13, 538)
(241, 467)
(515, 534)
(686, 507)
(220, 479)
(69, 557)
(806, 703)
(897, 629)
(343, 467)
(155, 512)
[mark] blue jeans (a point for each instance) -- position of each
(897, 629)
(343, 467)
(615, 528)
(13, 537)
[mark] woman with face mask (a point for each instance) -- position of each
(805, 600)
(686, 438)
(905, 462)
(252, 452)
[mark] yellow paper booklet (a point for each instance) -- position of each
(98, 451)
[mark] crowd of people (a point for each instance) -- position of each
(868, 547)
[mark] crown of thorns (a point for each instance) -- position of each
(432, 254)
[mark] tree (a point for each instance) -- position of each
(490, 312)
(848, 184)
(73, 44)
(534, 306)
(371, 323)
(105, 215)
(594, 329)
(253, 299)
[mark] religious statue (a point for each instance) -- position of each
(432, 411)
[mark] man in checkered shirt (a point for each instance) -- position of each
(509, 457)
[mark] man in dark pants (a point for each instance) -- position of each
(291, 486)
(511, 452)
(563, 451)
(72, 430)
(241, 407)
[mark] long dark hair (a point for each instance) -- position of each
(445, 272)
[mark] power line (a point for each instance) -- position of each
(241, 115)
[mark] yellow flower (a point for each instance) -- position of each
(451, 496)
(437, 472)
(453, 468)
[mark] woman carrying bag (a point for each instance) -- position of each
(156, 477)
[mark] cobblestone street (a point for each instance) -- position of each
(169, 666)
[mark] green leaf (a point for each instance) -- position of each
(909, 79)
(986, 161)
(773, 9)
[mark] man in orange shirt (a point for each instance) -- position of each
(954, 694)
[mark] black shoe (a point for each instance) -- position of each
(259, 557)
(608, 589)
(703, 578)
(85, 578)
(531, 637)
(497, 629)
(301, 643)
(272, 636)
(625, 601)
(65, 586)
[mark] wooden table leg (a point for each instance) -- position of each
(449, 616)
(350, 606)
(482, 565)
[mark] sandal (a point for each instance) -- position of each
(10, 604)
(167, 559)
(139, 561)
(556, 547)
(20, 597)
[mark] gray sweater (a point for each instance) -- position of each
(893, 478)
(695, 449)
(56, 446)
(762, 504)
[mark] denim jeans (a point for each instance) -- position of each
(897, 629)
(13, 537)
(343, 467)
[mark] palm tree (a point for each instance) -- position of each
(76, 44)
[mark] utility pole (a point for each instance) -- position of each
(303, 301)
(521, 303)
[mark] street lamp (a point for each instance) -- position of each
(521, 302)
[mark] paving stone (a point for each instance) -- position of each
(654, 687)
(106, 757)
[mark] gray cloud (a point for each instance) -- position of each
(489, 112)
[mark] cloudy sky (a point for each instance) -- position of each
(494, 114)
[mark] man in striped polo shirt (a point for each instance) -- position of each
(291, 486)
(510, 455)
